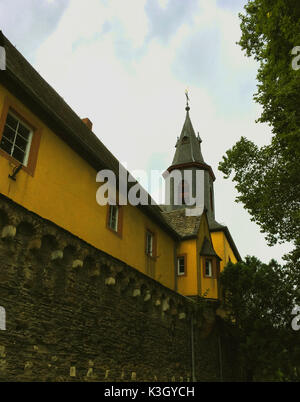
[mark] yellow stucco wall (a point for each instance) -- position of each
(209, 286)
(63, 190)
(194, 283)
(222, 248)
(188, 284)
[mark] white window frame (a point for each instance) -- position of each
(149, 246)
(208, 260)
(28, 147)
(179, 273)
(113, 221)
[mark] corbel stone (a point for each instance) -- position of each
(72, 371)
(181, 316)
(80, 257)
(110, 281)
(165, 305)
(157, 302)
(147, 296)
(8, 232)
(57, 255)
(136, 292)
(2, 320)
(90, 372)
(77, 264)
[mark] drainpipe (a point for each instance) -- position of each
(220, 359)
(175, 265)
(193, 349)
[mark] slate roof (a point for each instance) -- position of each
(216, 227)
(188, 227)
(207, 249)
(185, 226)
(188, 145)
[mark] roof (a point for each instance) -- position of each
(21, 79)
(188, 145)
(188, 149)
(214, 226)
(185, 226)
(207, 249)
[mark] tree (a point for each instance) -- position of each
(259, 298)
(268, 178)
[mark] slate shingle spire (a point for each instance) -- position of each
(188, 156)
(188, 146)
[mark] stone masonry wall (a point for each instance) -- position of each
(73, 313)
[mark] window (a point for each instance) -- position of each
(150, 246)
(20, 135)
(183, 193)
(181, 265)
(114, 219)
(208, 267)
(16, 138)
(149, 243)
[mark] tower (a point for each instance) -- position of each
(188, 157)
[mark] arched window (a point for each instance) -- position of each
(183, 193)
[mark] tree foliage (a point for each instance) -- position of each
(268, 178)
(260, 298)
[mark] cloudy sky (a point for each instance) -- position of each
(125, 65)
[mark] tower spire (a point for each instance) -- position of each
(188, 156)
(187, 100)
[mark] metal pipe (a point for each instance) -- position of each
(193, 349)
(220, 359)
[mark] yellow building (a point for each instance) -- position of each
(49, 160)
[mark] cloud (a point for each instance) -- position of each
(125, 65)
(233, 5)
(166, 17)
(28, 25)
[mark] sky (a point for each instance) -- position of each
(125, 64)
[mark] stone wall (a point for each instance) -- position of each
(73, 313)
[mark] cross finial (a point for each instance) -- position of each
(187, 100)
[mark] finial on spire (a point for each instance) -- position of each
(198, 138)
(187, 100)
